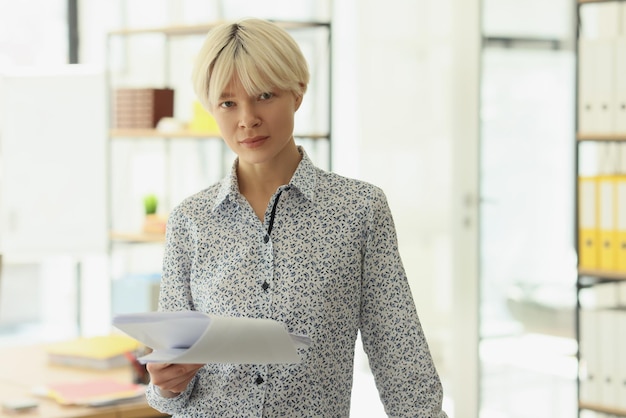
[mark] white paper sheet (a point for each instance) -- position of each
(195, 337)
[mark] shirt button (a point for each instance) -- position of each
(265, 286)
(266, 239)
(259, 380)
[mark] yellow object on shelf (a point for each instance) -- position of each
(621, 223)
(588, 247)
(203, 121)
(607, 228)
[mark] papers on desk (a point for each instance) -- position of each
(98, 352)
(195, 337)
(96, 392)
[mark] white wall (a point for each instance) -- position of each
(392, 118)
(406, 118)
(52, 139)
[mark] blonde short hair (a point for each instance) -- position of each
(263, 56)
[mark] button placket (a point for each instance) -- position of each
(266, 271)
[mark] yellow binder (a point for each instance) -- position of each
(620, 195)
(607, 222)
(588, 254)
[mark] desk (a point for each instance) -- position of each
(23, 367)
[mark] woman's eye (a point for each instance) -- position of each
(227, 104)
(265, 96)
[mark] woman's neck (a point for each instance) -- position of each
(265, 178)
(258, 182)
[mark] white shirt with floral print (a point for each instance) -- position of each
(326, 265)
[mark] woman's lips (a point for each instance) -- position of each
(254, 142)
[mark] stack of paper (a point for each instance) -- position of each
(92, 392)
(195, 337)
(100, 352)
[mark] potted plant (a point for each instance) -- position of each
(153, 222)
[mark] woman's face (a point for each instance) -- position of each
(259, 129)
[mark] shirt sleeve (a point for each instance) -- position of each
(175, 292)
(170, 406)
(175, 295)
(398, 353)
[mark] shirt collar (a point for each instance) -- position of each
(304, 179)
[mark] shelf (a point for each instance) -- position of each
(137, 237)
(153, 133)
(201, 29)
(603, 409)
(595, 1)
(588, 201)
(587, 136)
(603, 274)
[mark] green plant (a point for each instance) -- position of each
(150, 204)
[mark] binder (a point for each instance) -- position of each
(587, 222)
(621, 360)
(620, 81)
(601, 296)
(600, 20)
(620, 207)
(596, 86)
(589, 357)
(608, 357)
(623, 22)
(607, 228)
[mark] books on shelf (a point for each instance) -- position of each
(99, 352)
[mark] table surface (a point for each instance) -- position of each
(24, 367)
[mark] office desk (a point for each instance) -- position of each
(22, 368)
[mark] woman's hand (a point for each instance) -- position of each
(172, 379)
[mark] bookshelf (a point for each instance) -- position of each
(185, 160)
(601, 206)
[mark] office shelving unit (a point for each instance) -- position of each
(163, 45)
(595, 387)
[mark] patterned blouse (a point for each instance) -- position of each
(325, 263)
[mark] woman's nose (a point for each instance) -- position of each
(249, 118)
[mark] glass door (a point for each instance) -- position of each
(527, 259)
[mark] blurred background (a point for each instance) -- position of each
(461, 110)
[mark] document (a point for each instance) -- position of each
(196, 337)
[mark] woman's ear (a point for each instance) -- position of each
(299, 95)
(298, 100)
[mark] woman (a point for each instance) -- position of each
(279, 238)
